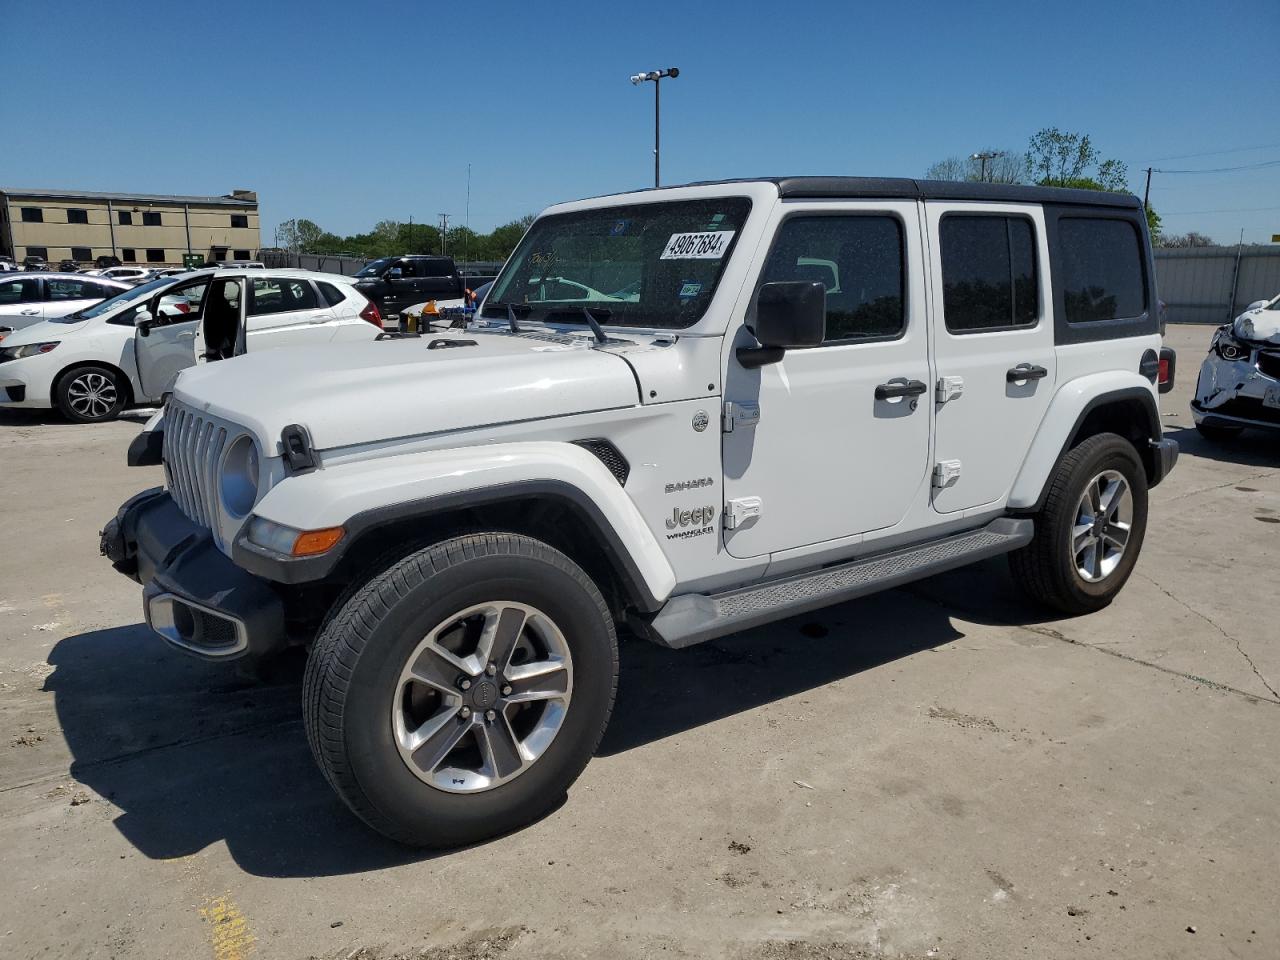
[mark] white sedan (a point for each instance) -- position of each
(129, 349)
(27, 298)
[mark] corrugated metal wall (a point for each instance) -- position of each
(1196, 283)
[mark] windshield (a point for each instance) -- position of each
(375, 269)
(140, 292)
(646, 265)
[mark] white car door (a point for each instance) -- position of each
(835, 438)
(20, 303)
(284, 311)
(166, 337)
(992, 344)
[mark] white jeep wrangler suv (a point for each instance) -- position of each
(687, 411)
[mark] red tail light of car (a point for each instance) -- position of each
(370, 314)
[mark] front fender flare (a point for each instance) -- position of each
(373, 493)
(1071, 404)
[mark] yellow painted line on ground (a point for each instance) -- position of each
(229, 931)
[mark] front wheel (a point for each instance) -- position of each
(1090, 529)
(457, 695)
(91, 394)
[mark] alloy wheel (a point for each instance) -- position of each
(1103, 525)
(482, 697)
(92, 395)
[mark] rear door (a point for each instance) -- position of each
(993, 346)
(170, 343)
(283, 311)
(836, 441)
(20, 303)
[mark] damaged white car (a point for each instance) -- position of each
(1239, 383)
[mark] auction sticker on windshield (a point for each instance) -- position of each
(697, 246)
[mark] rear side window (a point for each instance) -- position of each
(988, 273)
(434, 268)
(280, 295)
(1102, 276)
(332, 295)
(859, 259)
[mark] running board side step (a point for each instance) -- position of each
(696, 617)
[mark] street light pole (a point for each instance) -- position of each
(984, 157)
(656, 76)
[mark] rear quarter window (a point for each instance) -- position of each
(1101, 269)
(332, 295)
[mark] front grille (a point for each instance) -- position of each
(1269, 364)
(193, 446)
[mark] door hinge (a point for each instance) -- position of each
(949, 388)
(739, 511)
(745, 414)
(945, 473)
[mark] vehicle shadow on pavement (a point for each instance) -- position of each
(26, 417)
(1253, 448)
(192, 755)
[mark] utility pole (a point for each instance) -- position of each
(444, 228)
(411, 233)
(1146, 194)
(656, 76)
(983, 158)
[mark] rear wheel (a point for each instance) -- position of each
(1090, 529)
(457, 695)
(91, 394)
(1216, 433)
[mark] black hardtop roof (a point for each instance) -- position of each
(901, 188)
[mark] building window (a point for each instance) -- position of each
(219, 254)
(40, 253)
(125, 218)
(82, 254)
(988, 273)
(128, 255)
(32, 215)
(154, 255)
(151, 218)
(242, 255)
(240, 220)
(77, 216)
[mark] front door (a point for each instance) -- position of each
(841, 443)
(170, 344)
(993, 346)
(20, 303)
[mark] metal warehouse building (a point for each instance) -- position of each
(83, 225)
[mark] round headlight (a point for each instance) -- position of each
(238, 482)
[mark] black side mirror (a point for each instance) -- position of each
(790, 314)
(395, 273)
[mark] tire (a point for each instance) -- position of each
(91, 394)
(1216, 433)
(362, 704)
(1049, 569)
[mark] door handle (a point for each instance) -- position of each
(1025, 371)
(186, 336)
(29, 313)
(912, 388)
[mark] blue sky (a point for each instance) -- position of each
(350, 113)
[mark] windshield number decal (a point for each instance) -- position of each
(697, 246)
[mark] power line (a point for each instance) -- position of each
(1247, 166)
(1217, 153)
(1188, 213)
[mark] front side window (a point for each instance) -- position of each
(77, 216)
(988, 273)
(32, 215)
(645, 265)
(70, 290)
(182, 304)
(859, 259)
(434, 268)
(1102, 275)
(151, 218)
(280, 295)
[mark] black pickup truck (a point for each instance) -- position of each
(395, 283)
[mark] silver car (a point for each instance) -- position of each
(1239, 383)
(27, 298)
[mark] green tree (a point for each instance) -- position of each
(300, 235)
(1002, 166)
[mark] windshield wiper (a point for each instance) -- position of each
(511, 312)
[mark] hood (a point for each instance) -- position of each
(41, 332)
(372, 391)
(1261, 326)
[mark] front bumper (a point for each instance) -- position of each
(193, 596)
(1229, 392)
